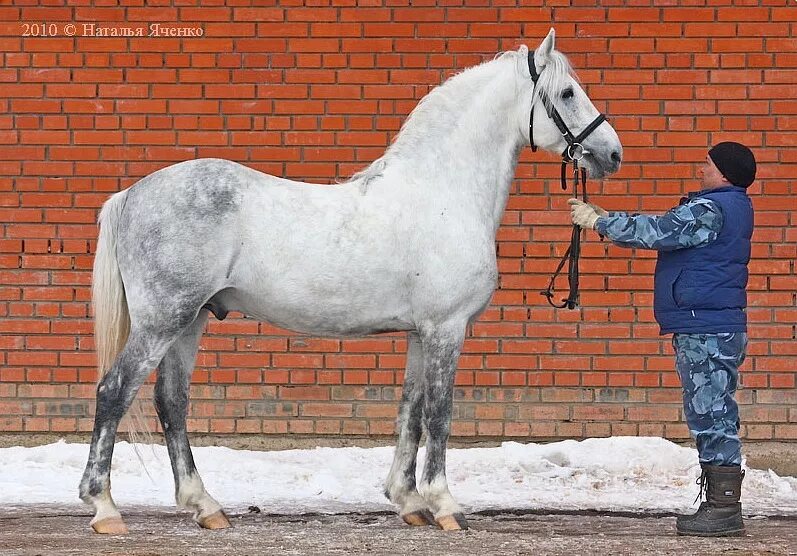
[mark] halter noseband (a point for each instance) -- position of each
(574, 152)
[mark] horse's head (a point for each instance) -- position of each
(558, 91)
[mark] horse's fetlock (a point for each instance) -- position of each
(395, 493)
(398, 486)
(83, 492)
(191, 495)
(92, 486)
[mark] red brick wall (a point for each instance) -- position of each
(316, 92)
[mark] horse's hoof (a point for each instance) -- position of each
(418, 518)
(453, 522)
(215, 521)
(110, 526)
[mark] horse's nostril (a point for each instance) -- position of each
(616, 156)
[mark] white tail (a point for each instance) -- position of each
(111, 317)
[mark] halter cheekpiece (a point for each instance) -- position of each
(574, 152)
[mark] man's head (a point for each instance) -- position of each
(728, 162)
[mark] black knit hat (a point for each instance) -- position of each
(734, 161)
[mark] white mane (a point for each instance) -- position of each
(440, 110)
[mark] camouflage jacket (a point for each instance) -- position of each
(695, 222)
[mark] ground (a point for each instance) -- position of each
(43, 530)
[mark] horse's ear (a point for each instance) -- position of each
(543, 52)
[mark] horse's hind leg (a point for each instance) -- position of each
(400, 487)
(115, 393)
(441, 349)
(171, 403)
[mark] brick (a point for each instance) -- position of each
(325, 410)
(350, 361)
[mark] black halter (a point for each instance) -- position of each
(574, 152)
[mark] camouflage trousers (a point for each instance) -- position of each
(708, 365)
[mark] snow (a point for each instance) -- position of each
(629, 474)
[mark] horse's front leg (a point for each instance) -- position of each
(171, 403)
(400, 486)
(441, 349)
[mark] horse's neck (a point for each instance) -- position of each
(469, 153)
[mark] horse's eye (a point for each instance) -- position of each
(567, 93)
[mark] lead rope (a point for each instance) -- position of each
(573, 253)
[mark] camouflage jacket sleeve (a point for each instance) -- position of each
(693, 223)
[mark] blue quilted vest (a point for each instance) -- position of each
(701, 290)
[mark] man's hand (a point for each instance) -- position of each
(599, 210)
(585, 214)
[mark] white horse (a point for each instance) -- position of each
(408, 244)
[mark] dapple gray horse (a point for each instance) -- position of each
(408, 244)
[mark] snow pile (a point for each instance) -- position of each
(615, 474)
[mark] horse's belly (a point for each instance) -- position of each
(342, 264)
(303, 310)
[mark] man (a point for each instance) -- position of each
(703, 249)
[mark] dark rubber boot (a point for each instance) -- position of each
(721, 514)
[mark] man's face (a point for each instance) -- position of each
(709, 175)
